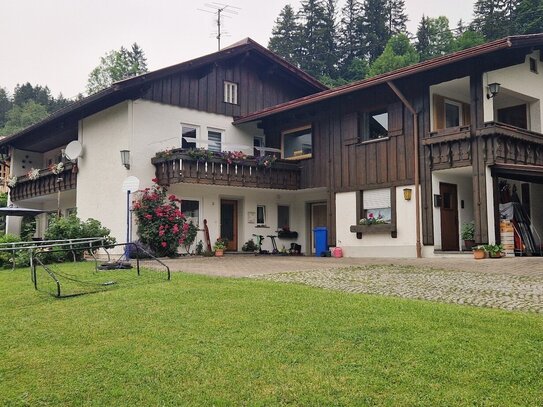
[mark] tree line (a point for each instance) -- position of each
(29, 103)
(369, 37)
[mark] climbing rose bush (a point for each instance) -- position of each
(161, 224)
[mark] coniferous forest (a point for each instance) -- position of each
(365, 38)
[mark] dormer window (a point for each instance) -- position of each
(230, 92)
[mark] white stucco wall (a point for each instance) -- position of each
(519, 82)
(101, 174)
(376, 245)
(26, 159)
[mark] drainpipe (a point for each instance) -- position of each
(416, 151)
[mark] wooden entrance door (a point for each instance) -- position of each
(229, 223)
(449, 217)
(318, 217)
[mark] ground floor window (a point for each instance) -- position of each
(377, 204)
(191, 210)
(261, 215)
(283, 217)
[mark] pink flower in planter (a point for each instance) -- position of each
(164, 244)
(148, 216)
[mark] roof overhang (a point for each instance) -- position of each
(505, 43)
(31, 138)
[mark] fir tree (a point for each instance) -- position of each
(529, 17)
(397, 19)
(285, 39)
(374, 28)
(318, 37)
(423, 39)
(349, 41)
(495, 18)
(434, 38)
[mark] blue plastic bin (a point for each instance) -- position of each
(321, 240)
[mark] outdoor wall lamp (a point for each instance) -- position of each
(493, 90)
(407, 194)
(125, 158)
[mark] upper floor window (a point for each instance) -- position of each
(298, 143)
(533, 65)
(373, 125)
(189, 135)
(215, 140)
(258, 142)
(230, 92)
(453, 113)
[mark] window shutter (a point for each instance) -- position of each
(376, 198)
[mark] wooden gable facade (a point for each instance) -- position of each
(259, 85)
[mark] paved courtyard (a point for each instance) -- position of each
(509, 283)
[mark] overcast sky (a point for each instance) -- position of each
(58, 42)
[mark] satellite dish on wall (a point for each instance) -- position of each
(130, 184)
(73, 150)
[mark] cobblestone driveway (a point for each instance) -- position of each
(510, 283)
(510, 291)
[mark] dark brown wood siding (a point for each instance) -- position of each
(259, 87)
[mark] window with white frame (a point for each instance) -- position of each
(214, 138)
(231, 92)
(189, 135)
(261, 214)
(377, 204)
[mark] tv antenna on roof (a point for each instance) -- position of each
(220, 10)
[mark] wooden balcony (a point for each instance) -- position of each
(47, 183)
(179, 167)
(499, 143)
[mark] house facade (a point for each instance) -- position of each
(428, 148)
(416, 153)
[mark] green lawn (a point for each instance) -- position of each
(217, 341)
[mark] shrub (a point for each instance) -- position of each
(71, 227)
(249, 246)
(161, 224)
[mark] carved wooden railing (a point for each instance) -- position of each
(511, 145)
(46, 183)
(180, 167)
(501, 143)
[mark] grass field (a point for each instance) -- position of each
(216, 341)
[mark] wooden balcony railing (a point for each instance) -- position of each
(501, 143)
(180, 167)
(46, 183)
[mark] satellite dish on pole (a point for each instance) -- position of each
(73, 150)
(130, 184)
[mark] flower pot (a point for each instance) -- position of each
(468, 244)
(219, 252)
(495, 255)
(479, 254)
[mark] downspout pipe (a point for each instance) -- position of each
(410, 107)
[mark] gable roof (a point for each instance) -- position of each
(516, 41)
(131, 87)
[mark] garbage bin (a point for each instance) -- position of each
(321, 240)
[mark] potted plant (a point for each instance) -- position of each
(219, 246)
(467, 233)
(479, 252)
(494, 250)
